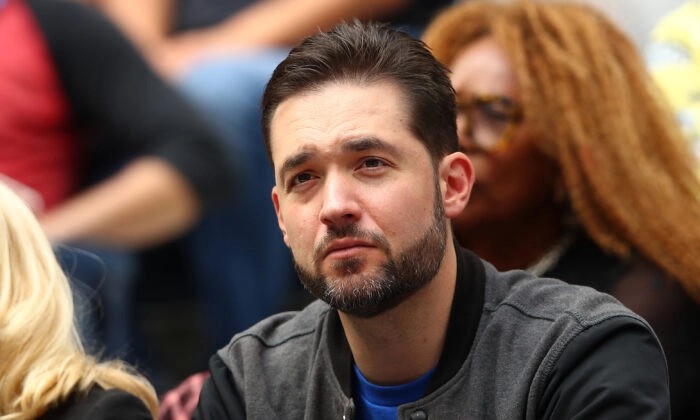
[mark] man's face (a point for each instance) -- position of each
(356, 196)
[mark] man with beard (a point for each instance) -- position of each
(359, 124)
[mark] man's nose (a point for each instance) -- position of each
(340, 205)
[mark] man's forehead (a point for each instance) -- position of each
(336, 111)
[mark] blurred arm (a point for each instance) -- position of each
(144, 204)
(286, 22)
(266, 23)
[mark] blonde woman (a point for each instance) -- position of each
(44, 371)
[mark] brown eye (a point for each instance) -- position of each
(373, 163)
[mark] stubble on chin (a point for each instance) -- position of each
(348, 266)
(355, 288)
(348, 284)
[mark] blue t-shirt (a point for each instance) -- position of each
(376, 402)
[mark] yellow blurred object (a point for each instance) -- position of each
(674, 61)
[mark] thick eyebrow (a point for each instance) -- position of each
(368, 143)
(354, 145)
(293, 161)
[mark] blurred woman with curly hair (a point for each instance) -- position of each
(582, 172)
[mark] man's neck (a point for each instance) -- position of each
(405, 342)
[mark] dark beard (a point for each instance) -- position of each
(373, 293)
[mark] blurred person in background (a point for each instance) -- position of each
(220, 53)
(582, 172)
(44, 371)
(111, 159)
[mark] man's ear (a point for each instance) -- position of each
(457, 180)
(280, 220)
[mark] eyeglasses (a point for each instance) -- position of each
(490, 121)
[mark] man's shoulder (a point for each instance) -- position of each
(549, 336)
(549, 299)
(283, 330)
(278, 353)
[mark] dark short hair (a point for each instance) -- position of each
(370, 53)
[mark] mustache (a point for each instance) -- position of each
(349, 231)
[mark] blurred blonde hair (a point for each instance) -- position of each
(629, 174)
(42, 361)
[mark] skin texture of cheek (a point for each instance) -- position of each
(302, 239)
(405, 209)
